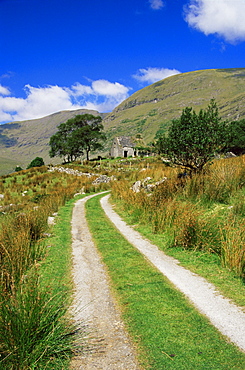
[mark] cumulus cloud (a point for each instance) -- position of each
(102, 96)
(79, 89)
(103, 87)
(4, 90)
(151, 75)
(156, 4)
(222, 17)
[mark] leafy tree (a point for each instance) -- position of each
(18, 168)
(64, 143)
(194, 139)
(236, 142)
(83, 133)
(159, 145)
(37, 162)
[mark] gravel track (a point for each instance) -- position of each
(223, 314)
(108, 345)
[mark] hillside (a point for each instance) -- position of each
(151, 109)
(20, 142)
(148, 111)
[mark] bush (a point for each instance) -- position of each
(18, 168)
(37, 162)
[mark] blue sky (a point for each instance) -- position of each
(68, 54)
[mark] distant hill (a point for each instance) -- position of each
(148, 111)
(20, 142)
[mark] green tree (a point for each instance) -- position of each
(37, 162)
(18, 168)
(83, 133)
(194, 139)
(236, 142)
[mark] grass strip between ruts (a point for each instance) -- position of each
(168, 332)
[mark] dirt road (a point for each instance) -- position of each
(224, 315)
(110, 346)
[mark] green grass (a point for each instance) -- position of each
(36, 328)
(56, 268)
(168, 97)
(56, 272)
(166, 329)
(203, 263)
(156, 104)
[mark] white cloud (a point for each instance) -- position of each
(156, 4)
(222, 17)
(151, 75)
(102, 96)
(103, 87)
(79, 89)
(4, 90)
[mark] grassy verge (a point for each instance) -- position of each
(203, 263)
(56, 274)
(36, 330)
(56, 268)
(167, 330)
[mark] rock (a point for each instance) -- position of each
(51, 220)
(230, 155)
(101, 179)
(161, 181)
(136, 186)
(143, 185)
(146, 180)
(70, 171)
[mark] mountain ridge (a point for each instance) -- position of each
(152, 108)
(148, 112)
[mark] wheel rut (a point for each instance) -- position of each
(107, 346)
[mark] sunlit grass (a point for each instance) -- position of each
(166, 329)
(36, 329)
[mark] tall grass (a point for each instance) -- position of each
(166, 329)
(34, 328)
(194, 213)
(36, 331)
(233, 245)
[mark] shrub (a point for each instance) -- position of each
(18, 168)
(37, 162)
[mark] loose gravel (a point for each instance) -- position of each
(108, 346)
(223, 314)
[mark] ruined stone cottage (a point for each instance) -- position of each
(123, 146)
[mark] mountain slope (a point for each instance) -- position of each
(147, 112)
(25, 140)
(150, 110)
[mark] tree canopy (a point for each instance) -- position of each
(237, 137)
(37, 162)
(194, 139)
(78, 135)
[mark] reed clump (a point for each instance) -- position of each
(36, 331)
(194, 212)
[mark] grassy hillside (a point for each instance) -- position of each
(148, 111)
(23, 141)
(151, 109)
(198, 220)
